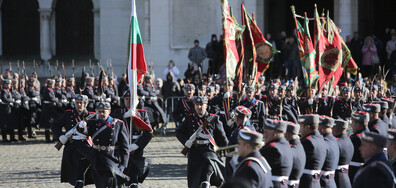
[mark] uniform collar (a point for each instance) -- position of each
(107, 122)
(377, 157)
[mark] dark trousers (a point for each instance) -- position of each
(198, 170)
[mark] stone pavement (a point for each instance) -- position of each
(35, 163)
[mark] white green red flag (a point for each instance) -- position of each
(136, 61)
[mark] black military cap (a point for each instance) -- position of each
(251, 136)
(374, 138)
(210, 89)
(249, 88)
(361, 117)
(309, 119)
(89, 79)
(282, 88)
(276, 125)
(242, 112)
(6, 81)
(392, 134)
(376, 108)
(358, 88)
(326, 121)
(374, 87)
(103, 105)
(97, 78)
(189, 86)
(338, 123)
(290, 88)
(383, 104)
(346, 88)
(292, 128)
(201, 100)
(126, 93)
(273, 86)
(58, 80)
(81, 97)
(71, 79)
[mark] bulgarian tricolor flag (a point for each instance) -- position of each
(136, 62)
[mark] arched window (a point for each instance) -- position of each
(74, 28)
(20, 28)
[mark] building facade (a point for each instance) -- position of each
(97, 30)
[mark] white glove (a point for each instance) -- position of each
(226, 95)
(82, 124)
(121, 168)
(204, 136)
(133, 147)
(310, 101)
(63, 139)
(230, 122)
(188, 143)
(130, 113)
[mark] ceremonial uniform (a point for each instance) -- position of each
(258, 112)
(376, 171)
(342, 108)
(137, 168)
(88, 91)
(76, 152)
(156, 114)
(346, 153)
(108, 137)
(331, 161)
(184, 107)
(273, 105)
(299, 159)
(278, 154)
(201, 157)
(324, 105)
(357, 160)
(305, 107)
(289, 109)
(5, 113)
(254, 169)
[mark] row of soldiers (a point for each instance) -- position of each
(28, 106)
(312, 141)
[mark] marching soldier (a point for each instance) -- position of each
(289, 106)
(252, 168)
(375, 124)
(306, 104)
(141, 135)
(297, 152)
(277, 152)
(376, 171)
(373, 94)
(392, 149)
(346, 153)
(325, 103)
(382, 114)
(201, 144)
(49, 112)
(76, 152)
(185, 105)
(332, 152)
(256, 107)
(357, 104)
(89, 92)
(241, 121)
(17, 114)
(315, 151)
(272, 102)
(343, 106)
(70, 92)
(6, 112)
(110, 153)
(360, 121)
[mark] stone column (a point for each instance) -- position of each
(344, 17)
(45, 34)
(96, 14)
